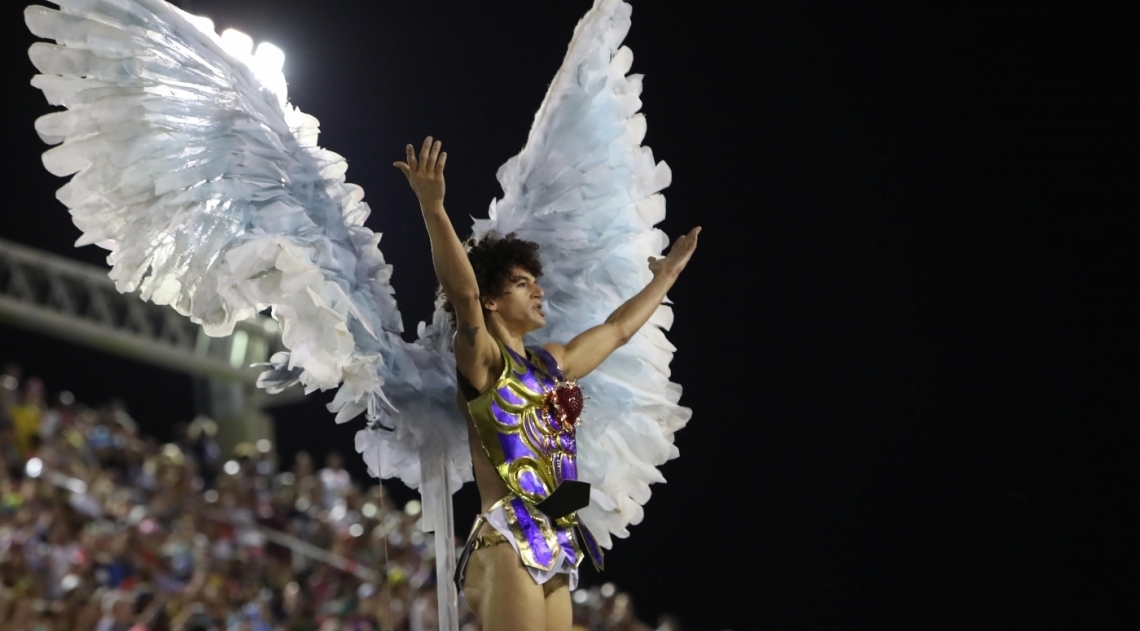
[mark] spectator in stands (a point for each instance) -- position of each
(302, 465)
(27, 415)
(200, 444)
(118, 614)
(335, 481)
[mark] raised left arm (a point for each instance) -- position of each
(589, 349)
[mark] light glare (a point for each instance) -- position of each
(237, 43)
(270, 57)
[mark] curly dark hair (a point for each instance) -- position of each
(494, 257)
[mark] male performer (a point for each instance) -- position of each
(522, 406)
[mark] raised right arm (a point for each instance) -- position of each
(476, 354)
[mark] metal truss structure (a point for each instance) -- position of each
(78, 302)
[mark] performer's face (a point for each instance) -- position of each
(520, 302)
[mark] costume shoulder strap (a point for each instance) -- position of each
(548, 362)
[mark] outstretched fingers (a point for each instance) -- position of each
(689, 241)
(425, 154)
(683, 248)
(429, 163)
(433, 157)
(409, 165)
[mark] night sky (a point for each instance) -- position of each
(908, 336)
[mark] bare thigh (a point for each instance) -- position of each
(502, 594)
(559, 613)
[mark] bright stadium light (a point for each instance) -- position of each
(267, 66)
(237, 44)
(269, 57)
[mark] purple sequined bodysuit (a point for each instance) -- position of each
(526, 423)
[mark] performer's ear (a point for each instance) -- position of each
(489, 304)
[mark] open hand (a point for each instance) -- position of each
(425, 173)
(678, 256)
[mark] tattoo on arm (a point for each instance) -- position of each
(468, 332)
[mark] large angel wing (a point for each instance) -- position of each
(211, 192)
(585, 189)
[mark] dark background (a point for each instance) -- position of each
(908, 336)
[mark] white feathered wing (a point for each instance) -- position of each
(212, 194)
(588, 193)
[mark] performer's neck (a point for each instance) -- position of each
(511, 339)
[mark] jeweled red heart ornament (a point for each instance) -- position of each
(567, 400)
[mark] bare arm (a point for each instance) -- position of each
(589, 349)
(475, 350)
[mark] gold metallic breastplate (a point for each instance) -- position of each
(528, 444)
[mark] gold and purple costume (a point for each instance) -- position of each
(526, 423)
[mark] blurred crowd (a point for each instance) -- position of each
(104, 529)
